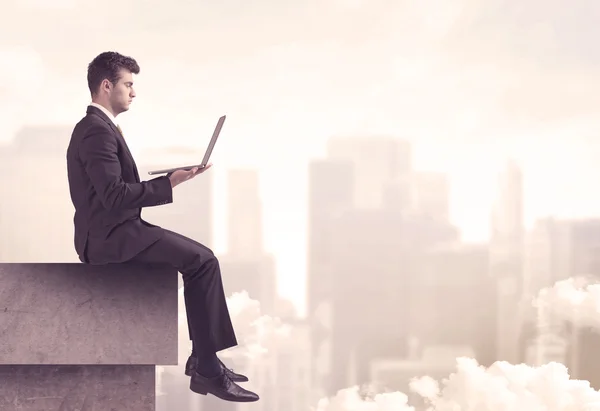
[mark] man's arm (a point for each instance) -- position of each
(98, 152)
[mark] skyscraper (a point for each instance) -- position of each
(558, 250)
(506, 260)
(379, 162)
(363, 249)
(245, 219)
(247, 266)
(331, 190)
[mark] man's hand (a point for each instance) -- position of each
(179, 176)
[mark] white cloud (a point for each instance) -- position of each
(351, 399)
(575, 300)
(256, 332)
(501, 387)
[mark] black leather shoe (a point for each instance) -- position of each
(190, 366)
(221, 387)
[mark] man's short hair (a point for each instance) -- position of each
(107, 65)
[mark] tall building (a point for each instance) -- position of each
(364, 229)
(558, 250)
(379, 164)
(359, 172)
(547, 255)
(449, 312)
(550, 341)
(506, 261)
(545, 261)
(245, 219)
(584, 261)
(375, 257)
(246, 265)
(370, 270)
(330, 193)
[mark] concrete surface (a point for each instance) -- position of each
(80, 314)
(77, 388)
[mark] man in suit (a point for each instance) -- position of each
(108, 196)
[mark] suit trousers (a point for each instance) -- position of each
(209, 323)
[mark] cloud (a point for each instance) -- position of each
(500, 387)
(256, 332)
(574, 300)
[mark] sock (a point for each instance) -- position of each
(193, 354)
(208, 364)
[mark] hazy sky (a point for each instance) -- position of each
(467, 81)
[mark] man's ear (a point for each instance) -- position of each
(106, 85)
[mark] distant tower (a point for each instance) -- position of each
(245, 219)
(246, 264)
(506, 260)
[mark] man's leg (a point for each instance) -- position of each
(216, 303)
(206, 306)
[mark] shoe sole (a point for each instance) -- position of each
(189, 374)
(203, 391)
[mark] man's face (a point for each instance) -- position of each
(121, 93)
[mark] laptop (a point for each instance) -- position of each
(209, 150)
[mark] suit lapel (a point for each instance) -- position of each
(94, 110)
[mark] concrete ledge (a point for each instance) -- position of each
(77, 388)
(80, 314)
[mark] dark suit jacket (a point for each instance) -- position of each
(108, 195)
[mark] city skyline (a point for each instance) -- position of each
(286, 242)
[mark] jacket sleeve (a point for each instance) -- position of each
(98, 153)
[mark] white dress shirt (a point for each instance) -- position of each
(105, 111)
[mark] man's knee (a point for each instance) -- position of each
(205, 260)
(212, 264)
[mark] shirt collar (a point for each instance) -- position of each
(105, 111)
